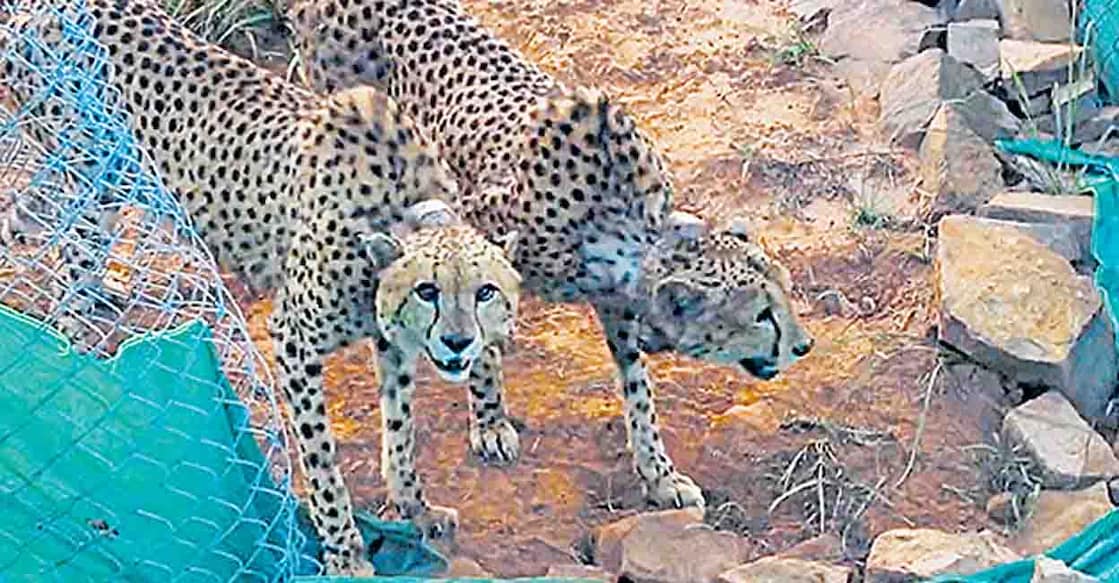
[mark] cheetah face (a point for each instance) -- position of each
(721, 299)
(447, 293)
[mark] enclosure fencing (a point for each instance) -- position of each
(140, 438)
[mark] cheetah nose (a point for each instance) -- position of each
(804, 347)
(456, 342)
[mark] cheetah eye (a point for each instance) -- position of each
(766, 314)
(427, 292)
(486, 292)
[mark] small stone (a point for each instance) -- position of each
(957, 165)
(976, 43)
(782, 570)
(609, 538)
(1068, 452)
(899, 26)
(1042, 20)
(1048, 570)
(918, 554)
(583, 572)
(1032, 67)
(1018, 308)
(1000, 508)
(1057, 515)
(914, 90)
(1074, 214)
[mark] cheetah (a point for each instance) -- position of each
(592, 201)
(334, 202)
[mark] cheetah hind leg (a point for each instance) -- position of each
(493, 438)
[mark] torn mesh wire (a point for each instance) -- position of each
(85, 197)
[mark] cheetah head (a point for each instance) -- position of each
(444, 290)
(717, 296)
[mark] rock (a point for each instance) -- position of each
(899, 26)
(978, 10)
(1057, 515)
(466, 567)
(1000, 508)
(1074, 214)
(914, 90)
(1042, 20)
(812, 12)
(957, 165)
(609, 538)
(1018, 308)
(655, 555)
(584, 572)
(779, 570)
(1089, 124)
(1048, 570)
(910, 555)
(1031, 67)
(825, 547)
(1113, 484)
(976, 43)
(1069, 453)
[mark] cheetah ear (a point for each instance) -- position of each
(429, 214)
(681, 298)
(508, 242)
(383, 249)
(739, 228)
(682, 226)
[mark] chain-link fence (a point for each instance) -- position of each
(139, 435)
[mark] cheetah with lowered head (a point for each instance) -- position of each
(334, 202)
(589, 196)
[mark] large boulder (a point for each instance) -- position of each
(898, 25)
(782, 570)
(1015, 306)
(920, 554)
(1057, 515)
(1069, 453)
(916, 87)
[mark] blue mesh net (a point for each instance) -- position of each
(140, 437)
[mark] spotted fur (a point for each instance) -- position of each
(336, 203)
(590, 197)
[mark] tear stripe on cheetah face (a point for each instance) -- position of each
(292, 190)
(449, 293)
(719, 297)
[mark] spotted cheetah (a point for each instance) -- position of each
(590, 197)
(335, 202)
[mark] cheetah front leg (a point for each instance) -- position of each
(662, 483)
(493, 438)
(300, 363)
(397, 371)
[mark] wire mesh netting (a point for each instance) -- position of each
(1099, 27)
(139, 437)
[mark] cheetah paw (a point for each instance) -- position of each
(437, 523)
(499, 444)
(675, 491)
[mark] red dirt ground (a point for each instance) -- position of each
(750, 123)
